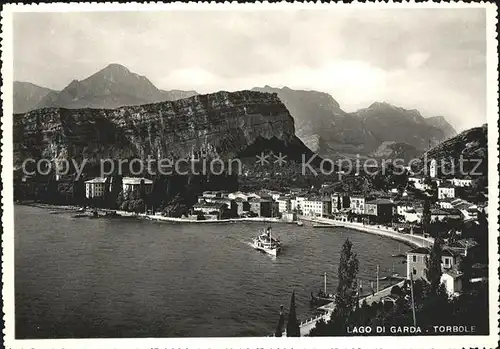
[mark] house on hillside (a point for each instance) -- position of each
(415, 261)
(441, 214)
(452, 280)
(458, 182)
(446, 190)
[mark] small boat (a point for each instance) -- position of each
(266, 243)
(300, 223)
(322, 297)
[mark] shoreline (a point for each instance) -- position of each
(159, 218)
(211, 221)
(411, 240)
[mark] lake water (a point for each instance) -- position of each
(81, 278)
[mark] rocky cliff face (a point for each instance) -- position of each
(469, 147)
(221, 124)
(322, 125)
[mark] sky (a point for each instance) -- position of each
(433, 60)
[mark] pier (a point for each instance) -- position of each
(307, 325)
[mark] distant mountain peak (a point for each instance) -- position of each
(441, 123)
(27, 95)
(111, 87)
(117, 66)
(377, 104)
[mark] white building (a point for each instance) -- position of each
(452, 281)
(446, 191)
(357, 204)
(412, 215)
(415, 262)
(433, 168)
(95, 188)
(457, 182)
(275, 194)
(418, 182)
(446, 203)
(133, 184)
(238, 195)
(284, 204)
(297, 203)
(316, 206)
(403, 205)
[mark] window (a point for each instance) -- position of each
(414, 271)
(414, 259)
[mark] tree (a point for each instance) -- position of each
(346, 299)
(281, 321)
(346, 202)
(292, 326)
(426, 217)
(466, 269)
(433, 269)
(339, 203)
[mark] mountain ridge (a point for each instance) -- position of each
(320, 122)
(111, 87)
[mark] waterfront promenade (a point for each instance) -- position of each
(413, 240)
(307, 325)
(207, 221)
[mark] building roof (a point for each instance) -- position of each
(404, 202)
(380, 201)
(446, 185)
(450, 252)
(258, 200)
(453, 273)
(450, 200)
(222, 200)
(444, 211)
(463, 243)
(213, 205)
(420, 250)
(135, 180)
(318, 198)
(96, 180)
